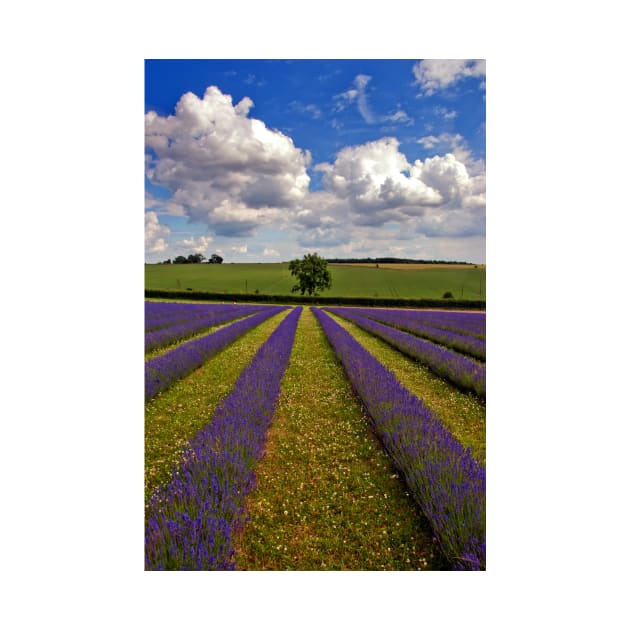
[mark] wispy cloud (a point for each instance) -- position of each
(398, 116)
(329, 75)
(309, 109)
(445, 113)
(357, 95)
(251, 79)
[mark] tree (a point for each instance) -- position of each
(312, 274)
(180, 260)
(196, 258)
(215, 259)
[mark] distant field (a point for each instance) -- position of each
(398, 281)
(408, 266)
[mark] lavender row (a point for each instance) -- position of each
(442, 476)
(162, 371)
(466, 374)
(163, 336)
(158, 313)
(402, 320)
(473, 324)
(191, 521)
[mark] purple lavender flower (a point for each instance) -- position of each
(162, 314)
(407, 321)
(473, 324)
(162, 371)
(464, 373)
(190, 522)
(181, 329)
(443, 477)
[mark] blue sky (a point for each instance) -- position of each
(264, 160)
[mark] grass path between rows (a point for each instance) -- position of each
(327, 496)
(463, 414)
(156, 352)
(174, 416)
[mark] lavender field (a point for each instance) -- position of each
(250, 464)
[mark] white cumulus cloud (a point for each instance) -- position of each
(163, 206)
(456, 144)
(436, 74)
(378, 185)
(222, 167)
(372, 178)
(197, 245)
(154, 234)
(324, 223)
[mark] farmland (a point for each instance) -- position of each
(386, 281)
(270, 442)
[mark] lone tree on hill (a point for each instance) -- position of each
(312, 274)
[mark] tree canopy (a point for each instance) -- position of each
(312, 274)
(193, 258)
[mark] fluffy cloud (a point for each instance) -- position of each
(198, 245)
(444, 174)
(324, 223)
(163, 206)
(444, 140)
(233, 174)
(222, 167)
(372, 178)
(154, 234)
(436, 74)
(378, 185)
(456, 144)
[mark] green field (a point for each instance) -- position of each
(347, 281)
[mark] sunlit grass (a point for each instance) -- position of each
(174, 416)
(275, 279)
(327, 496)
(464, 415)
(156, 352)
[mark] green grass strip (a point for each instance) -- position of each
(174, 416)
(464, 415)
(327, 496)
(156, 352)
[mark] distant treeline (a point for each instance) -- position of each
(193, 258)
(395, 260)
